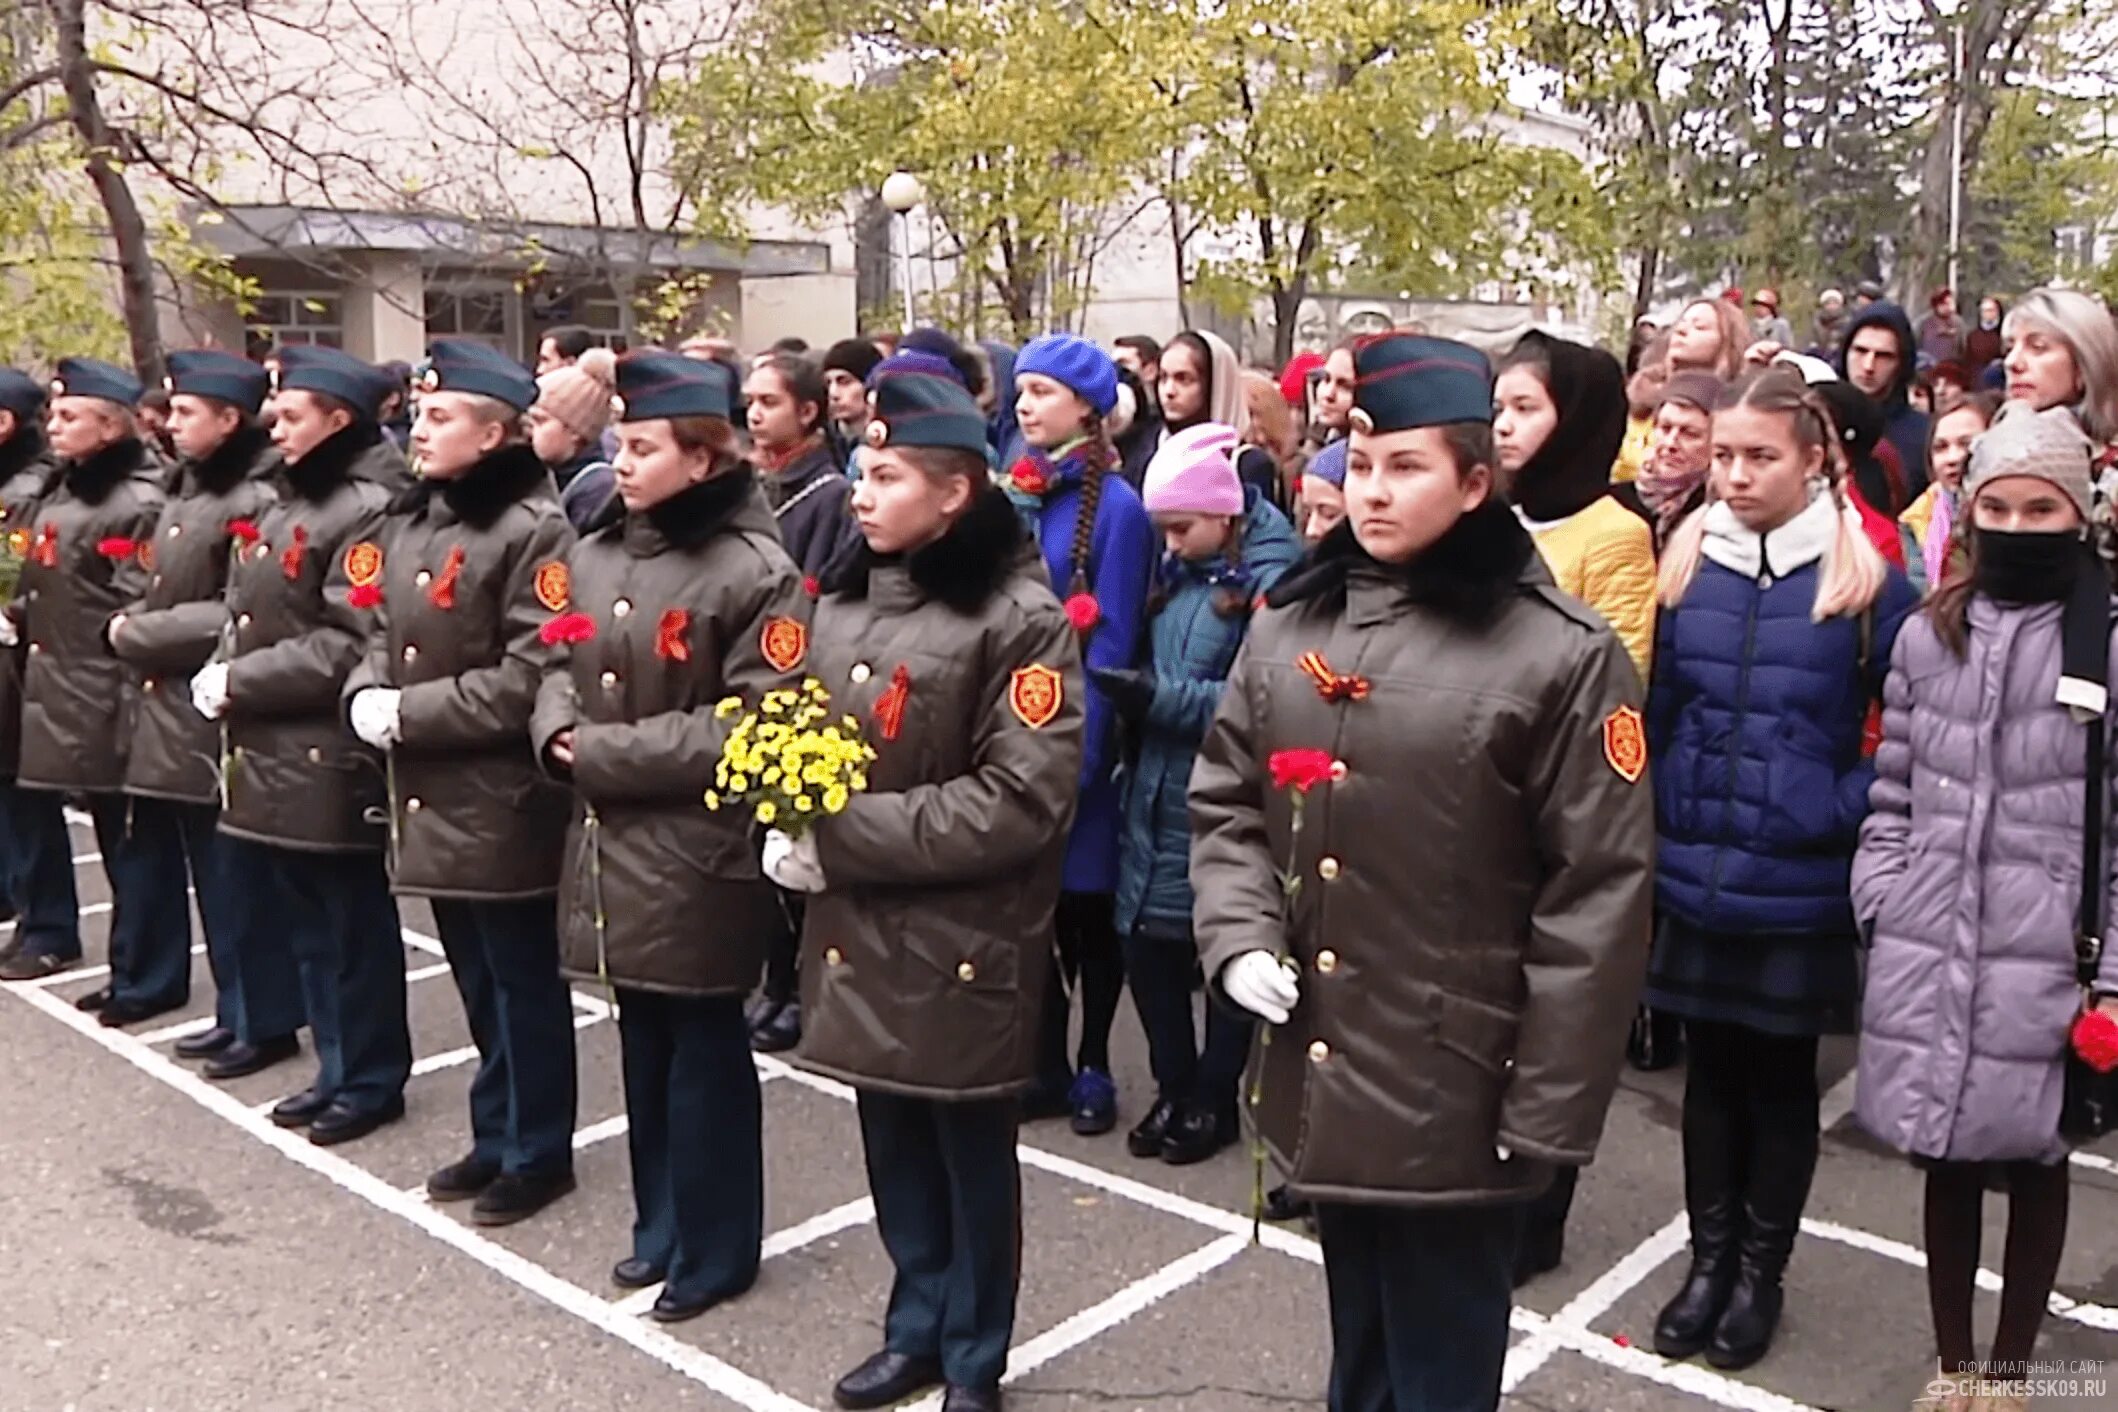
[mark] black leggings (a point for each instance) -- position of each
(2037, 1232)
(1089, 954)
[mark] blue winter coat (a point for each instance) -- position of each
(1194, 643)
(1121, 559)
(1754, 725)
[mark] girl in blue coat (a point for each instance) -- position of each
(1777, 619)
(1225, 546)
(1099, 548)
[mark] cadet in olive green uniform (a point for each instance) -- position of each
(303, 796)
(1450, 981)
(681, 596)
(39, 880)
(82, 565)
(926, 942)
(473, 566)
(172, 776)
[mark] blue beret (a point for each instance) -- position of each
(91, 377)
(912, 408)
(209, 372)
(1328, 464)
(914, 361)
(310, 367)
(653, 383)
(21, 394)
(1402, 381)
(1075, 363)
(466, 365)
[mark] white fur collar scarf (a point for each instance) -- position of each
(1802, 540)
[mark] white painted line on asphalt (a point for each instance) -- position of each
(179, 1030)
(1686, 1377)
(694, 1363)
(426, 973)
(92, 909)
(602, 1132)
(821, 1226)
(2095, 1316)
(2095, 1162)
(420, 941)
(433, 1063)
(1603, 1293)
(80, 858)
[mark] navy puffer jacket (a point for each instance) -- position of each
(1755, 719)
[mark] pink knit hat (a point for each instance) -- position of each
(1192, 473)
(579, 394)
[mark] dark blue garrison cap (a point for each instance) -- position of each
(307, 367)
(91, 377)
(1402, 381)
(653, 384)
(210, 372)
(913, 408)
(466, 365)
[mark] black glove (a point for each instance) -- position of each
(1131, 692)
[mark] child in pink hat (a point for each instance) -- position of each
(1193, 473)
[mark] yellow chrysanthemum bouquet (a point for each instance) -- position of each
(789, 763)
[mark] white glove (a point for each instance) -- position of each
(209, 690)
(375, 716)
(792, 862)
(10, 635)
(1257, 981)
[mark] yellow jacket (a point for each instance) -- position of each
(1605, 557)
(1632, 453)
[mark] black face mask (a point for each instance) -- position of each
(2038, 567)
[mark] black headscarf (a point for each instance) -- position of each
(1572, 470)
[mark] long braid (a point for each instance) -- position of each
(1096, 458)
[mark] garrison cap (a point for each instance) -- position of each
(916, 408)
(1403, 380)
(92, 377)
(653, 383)
(466, 365)
(21, 394)
(225, 377)
(310, 367)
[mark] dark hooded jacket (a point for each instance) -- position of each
(27, 472)
(809, 497)
(1904, 424)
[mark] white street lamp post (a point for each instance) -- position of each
(901, 192)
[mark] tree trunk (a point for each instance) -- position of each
(1286, 310)
(128, 228)
(1644, 286)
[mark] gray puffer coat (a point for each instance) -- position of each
(1969, 871)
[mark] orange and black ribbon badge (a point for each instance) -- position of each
(290, 558)
(145, 554)
(1329, 684)
(890, 706)
(672, 641)
(442, 591)
(1035, 694)
(1625, 743)
(784, 643)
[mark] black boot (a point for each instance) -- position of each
(1714, 1145)
(1782, 1163)
(1544, 1233)
(1145, 1140)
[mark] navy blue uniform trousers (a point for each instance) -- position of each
(40, 873)
(696, 1135)
(948, 1205)
(505, 959)
(1419, 1304)
(258, 914)
(169, 846)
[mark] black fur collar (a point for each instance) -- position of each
(693, 515)
(329, 463)
(20, 451)
(482, 494)
(1464, 575)
(94, 476)
(962, 569)
(233, 461)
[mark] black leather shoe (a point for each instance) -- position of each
(1145, 1140)
(460, 1181)
(94, 1000)
(780, 1033)
(634, 1273)
(886, 1378)
(206, 1045)
(1193, 1136)
(971, 1399)
(517, 1198)
(668, 1309)
(300, 1110)
(342, 1123)
(1283, 1205)
(130, 1012)
(240, 1059)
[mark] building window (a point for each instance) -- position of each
(472, 313)
(296, 316)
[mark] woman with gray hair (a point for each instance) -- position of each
(2063, 352)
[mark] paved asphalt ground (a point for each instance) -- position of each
(166, 1249)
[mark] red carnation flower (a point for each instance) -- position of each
(1028, 479)
(811, 586)
(364, 595)
(116, 547)
(1300, 770)
(2096, 1040)
(567, 628)
(244, 530)
(1083, 611)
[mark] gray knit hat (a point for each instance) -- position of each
(2048, 445)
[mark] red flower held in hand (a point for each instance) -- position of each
(2096, 1040)
(364, 595)
(567, 629)
(116, 547)
(1028, 479)
(244, 531)
(1301, 770)
(1083, 611)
